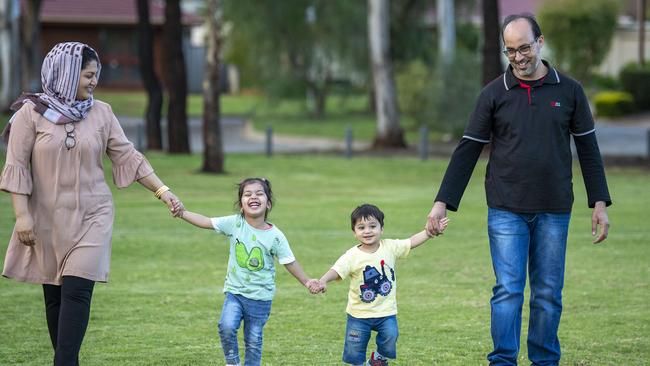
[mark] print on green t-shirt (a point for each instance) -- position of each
(253, 261)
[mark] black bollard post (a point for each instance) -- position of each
(348, 142)
(648, 143)
(269, 141)
(139, 131)
(424, 143)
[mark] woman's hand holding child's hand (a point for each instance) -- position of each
(173, 203)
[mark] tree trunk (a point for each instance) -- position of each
(177, 79)
(372, 102)
(317, 96)
(149, 79)
(213, 156)
(389, 132)
(321, 102)
(641, 21)
(31, 46)
(9, 61)
(492, 67)
(446, 31)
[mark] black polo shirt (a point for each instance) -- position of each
(529, 126)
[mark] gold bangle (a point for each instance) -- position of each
(160, 191)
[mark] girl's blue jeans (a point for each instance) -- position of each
(254, 313)
(519, 243)
(357, 335)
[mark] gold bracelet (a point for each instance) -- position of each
(160, 191)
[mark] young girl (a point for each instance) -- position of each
(250, 281)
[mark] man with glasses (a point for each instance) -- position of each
(528, 116)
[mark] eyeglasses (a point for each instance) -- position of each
(70, 141)
(523, 50)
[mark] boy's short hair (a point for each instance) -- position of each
(366, 211)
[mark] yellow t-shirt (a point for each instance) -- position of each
(373, 281)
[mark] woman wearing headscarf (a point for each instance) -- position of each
(63, 206)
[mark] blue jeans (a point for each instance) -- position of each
(536, 242)
(255, 313)
(357, 335)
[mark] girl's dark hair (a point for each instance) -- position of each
(88, 55)
(266, 185)
(537, 31)
(366, 211)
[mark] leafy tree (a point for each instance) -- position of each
(389, 132)
(149, 78)
(492, 67)
(31, 45)
(297, 47)
(213, 156)
(579, 32)
(177, 79)
(9, 61)
(410, 37)
(641, 10)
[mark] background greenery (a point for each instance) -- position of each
(163, 300)
(286, 116)
(569, 27)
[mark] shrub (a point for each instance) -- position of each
(413, 82)
(579, 32)
(605, 82)
(635, 79)
(613, 103)
(441, 98)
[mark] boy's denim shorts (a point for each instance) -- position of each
(357, 335)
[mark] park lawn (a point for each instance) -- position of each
(163, 300)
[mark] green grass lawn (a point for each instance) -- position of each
(4, 118)
(163, 300)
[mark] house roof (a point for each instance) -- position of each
(108, 12)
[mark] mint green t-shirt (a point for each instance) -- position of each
(251, 267)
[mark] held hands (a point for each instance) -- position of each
(435, 226)
(315, 286)
(173, 203)
(25, 230)
(442, 225)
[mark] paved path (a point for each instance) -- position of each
(625, 137)
(617, 140)
(239, 137)
(622, 138)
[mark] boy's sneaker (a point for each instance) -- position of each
(376, 361)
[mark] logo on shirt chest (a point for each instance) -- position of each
(375, 282)
(555, 104)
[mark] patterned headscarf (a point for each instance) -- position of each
(60, 76)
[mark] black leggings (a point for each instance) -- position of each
(67, 309)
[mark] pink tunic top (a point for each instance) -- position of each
(69, 199)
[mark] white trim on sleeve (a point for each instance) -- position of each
(475, 139)
(582, 134)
